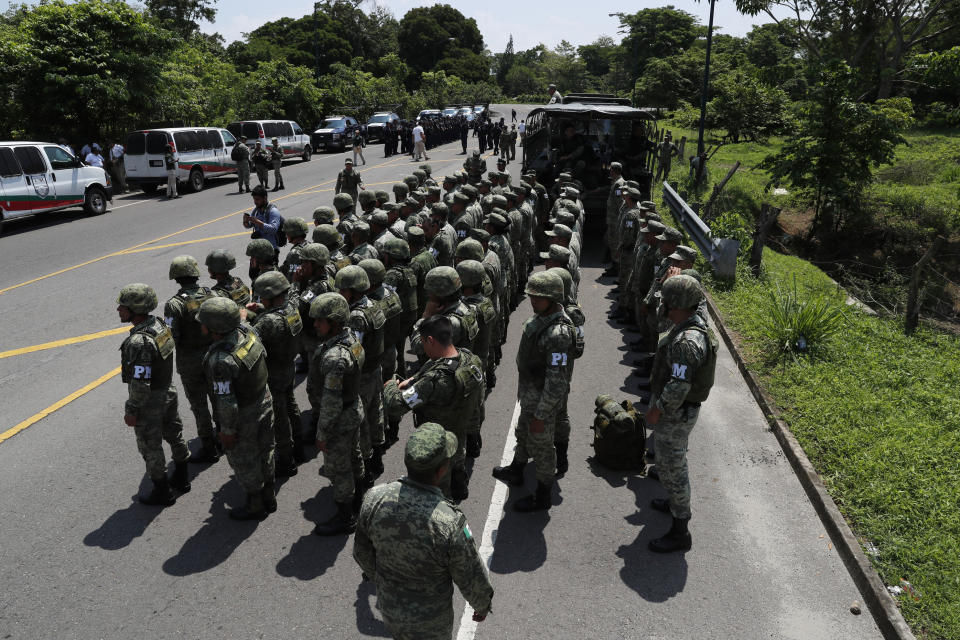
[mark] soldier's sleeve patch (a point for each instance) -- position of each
(467, 533)
(412, 397)
(558, 359)
(680, 371)
(169, 321)
(221, 387)
(359, 335)
(142, 372)
(434, 252)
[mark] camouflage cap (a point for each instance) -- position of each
(420, 174)
(184, 267)
(571, 192)
(565, 218)
(411, 202)
(480, 235)
(324, 215)
(315, 252)
(470, 249)
(328, 236)
(545, 284)
(653, 226)
(650, 215)
(449, 178)
(567, 282)
(138, 297)
(366, 197)
(330, 306)
(670, 235)
(556, 253)
(559, 231)
(683, 253)
(442, 281)
(693, 273)
(219, 314)
(499, 201)
(682, 292)
(565, 177)
(633, 193)
(375, 271)
(382, 196)
(428, 447)
(649, 205)
(461, 197)
(342, 202)
(352, 277)
(220, 261)
(471, 272)
(470, 190)
(426, 169)
(400, 189)
(497, 220)
(433, 190)
(295, 227)
(270, 284)
(380, 219)
(261, 249)
(397, 248)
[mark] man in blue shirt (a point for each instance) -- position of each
(265, 219)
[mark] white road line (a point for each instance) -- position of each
(112, 208)
(468, 628)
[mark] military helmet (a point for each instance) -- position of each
(295, 227)
(470, 249)
(270, 285)
(499, 201)
(315, 252)
(545, 284)
(366, 197)
(342, 201)
(397, 248)
(442, 281)
(261, 249)
(428, 447)
(184, 267)
(426, 169)
(401, 189)
(415, 235)
(324, 215)
(567, 281)
(220, 261)
(682, 292)
(480, 235)
(382, 196)
(138, 297)
(411, 182)
(352, 277)
(420, 174)
(471, 273)
(375, 271)
(219, 314)
(330, 306)
(328, 236)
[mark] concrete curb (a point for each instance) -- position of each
(882, 606)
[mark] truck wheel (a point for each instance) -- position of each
(149, 187)
(306, 153)
(95, 201)
(196, 180)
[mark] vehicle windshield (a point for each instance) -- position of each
(449, 111)
(383, 118)
(478, 109)
(334, 123)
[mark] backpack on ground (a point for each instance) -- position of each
(619, 434)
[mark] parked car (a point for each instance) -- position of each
(430, 113)
(204, 153)
(37, 177)
(467, 113)
(376, 124)
(293, 141)
(335, 132)
(450, 111)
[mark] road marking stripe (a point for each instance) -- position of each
(59, 404)
(129, 204)
(468, 627)
(185, 242)
(62, 343)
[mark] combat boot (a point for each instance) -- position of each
(276, 187)
(562, 463)
(474, 445)
(252, 510)
(269, 497)
(286, 466)
(537, 501)
(653, 474)
(282, 187)
(208, 454)
(677, 539)
(161, 495)
(459, 484)
(180, 479)
(343, 521)
(512, 474)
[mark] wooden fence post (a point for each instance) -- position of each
(912, 318)
(768, 218)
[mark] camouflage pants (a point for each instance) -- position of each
(342, 463)
(243, 174)
(625, 266)
(538, 446)
(388, 363)
(190, 368)
(263, 175)
(371, 394)
(252, 458)
(562, 433)
(286, 418)
(159, 420)
(610, 233)
(670, 440)
(428, 629)
(277, 178)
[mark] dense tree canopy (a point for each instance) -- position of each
(429, 34)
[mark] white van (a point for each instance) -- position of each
(294, 142)
(204, 153)
(36, 177)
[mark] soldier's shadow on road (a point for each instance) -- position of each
(367, 623)
(216, 540)
(124, 525)
(520, 544)
(311, 555)
(655, 577)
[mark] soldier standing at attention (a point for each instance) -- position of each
(422, 261)
(349, 182)
(151, 407)
(261, 163)
(276, 160)
(296, 230)
(241, 155)
(219, 263)
(236, 368)
(614, 203)
(555, 97)
(666, 150)
(474, 279)
(683, 374)
(334, 389)
(543, 360)
(402, 279)
(180, 314)
(170, 160)
(414, 545)
(279, 328)
(310, 280)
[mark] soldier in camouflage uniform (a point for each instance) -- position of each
(276, 161)
(260, 158)
(442, 244)
(349, 182)
(400, 192)
(414, 545)
(328, 236)
(179, 313)
(334, 390)
(262, 256)
(421, 261)
(236, 370)
(475, 280)
(392, 308)
(614, 203)
(442, 287)
(428, 175)
(667, 243)
(448, 390)
(311, 280)
(475, 166)
(496, 225)
(546, 351)
(219, 263)
(362, 249)
(367, 322)
(471, 249)
(402, 279)
(279, 328)
(683, 374)
(344, 204)
(324, 215)
(630, 223)
(561, 438)
(296, 230)
(151, 406)
(242, 153)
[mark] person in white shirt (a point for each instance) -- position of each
(522, 130)
(94, 159)
(419, 143)
(117, 169)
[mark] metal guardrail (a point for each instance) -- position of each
(721, 253)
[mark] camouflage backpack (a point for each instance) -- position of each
(619, 435)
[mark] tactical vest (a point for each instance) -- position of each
(575, 313)
(703, 378)
(191, 337)
(467, 372)
(235, 289)
(373, 321)
(468, 325)
(530, 361)
(294, 325)
(161, 371)
(392, 309)
(351, 383)
(404, 283)
(485, 313)
(251, 381)
(313, 289)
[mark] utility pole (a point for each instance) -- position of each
(703, 99)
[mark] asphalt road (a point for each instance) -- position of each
(80, 558)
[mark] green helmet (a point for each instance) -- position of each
(400, 189)
(261, 249)
(295, 227)
(352, 277)
(184, 267)
(330, 306)
(397, 248)
(567, 281)
(682, 292)
(471, 273)
(328, 236)
(411, 182)
(420, 175)
(219, 314)
(220, 261)
(426, 169)
(375, 271)
(366, 197)
(324, 215)
(382, 196)
(138, 297)
(342, 202)
(470, 249)
(315, 252)
(545, 284)
(442, 281)
(270, 285)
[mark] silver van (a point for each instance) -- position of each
(294, 142)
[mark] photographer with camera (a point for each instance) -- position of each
(265, 220)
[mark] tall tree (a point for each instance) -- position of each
(505, 61)
(656, 33)
(430, 34)
(182, 16)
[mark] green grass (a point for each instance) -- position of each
(878, 414)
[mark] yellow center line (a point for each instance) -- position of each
(59, 404)
(185, 242)
(62, 343)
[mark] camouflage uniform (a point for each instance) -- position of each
(349, 183)
(235, 289)
(261, 163)
(402, 279)
(614, 203)
(242, 152)
(421, 264)
(276, 161)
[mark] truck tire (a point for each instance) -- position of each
(307, 152)
(95, 201)
(196, 180)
